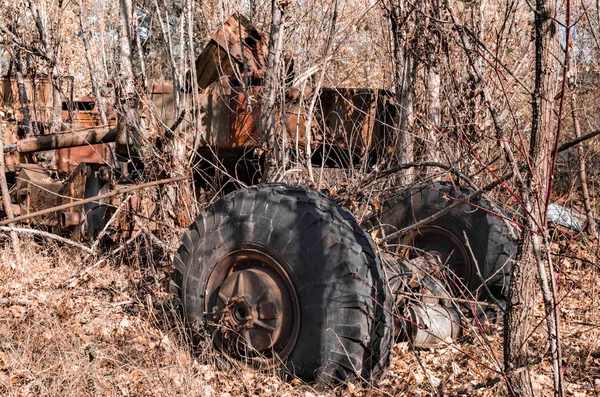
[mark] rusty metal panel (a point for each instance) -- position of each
(83, 182)
(37, 190)
(39, 94)
(68, 159)
(238, 41)
(162, 108)
(348, 116)
(163, 98)
(244, 119)
(295, 123)
(215, 114)
(244, 130)
(357, 120)
(81, 112)
(386, 121)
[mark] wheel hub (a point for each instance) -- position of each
(448, 247)
(254, 308)
(240, 313)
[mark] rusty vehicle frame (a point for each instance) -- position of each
(251, 289)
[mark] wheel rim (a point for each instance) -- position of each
(252, 307)
(453, 253)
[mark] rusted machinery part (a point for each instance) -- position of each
(430, 325)
(254, 306)
(68, 219)
(282, 275)
(66, 140)
(425, 313)
(91, 199)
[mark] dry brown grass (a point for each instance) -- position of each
(114, 332)
(111, 332)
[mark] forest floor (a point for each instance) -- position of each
(113, 331)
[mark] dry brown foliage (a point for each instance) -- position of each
(115, 331)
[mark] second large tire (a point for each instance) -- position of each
(292, 274)
(492, 243)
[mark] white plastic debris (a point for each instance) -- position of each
(566, 217)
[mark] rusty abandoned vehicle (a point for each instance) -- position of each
(274, 275)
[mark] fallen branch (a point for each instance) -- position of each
(47, 235)
(481, 385)
(576, 141)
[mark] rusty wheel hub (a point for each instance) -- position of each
(451, 250)
(253, 305)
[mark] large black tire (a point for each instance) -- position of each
(338, 308)
(489, 237)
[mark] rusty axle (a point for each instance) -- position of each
(64, 140)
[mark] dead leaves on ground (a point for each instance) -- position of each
(113, 333)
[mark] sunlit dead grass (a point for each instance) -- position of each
(115, 331)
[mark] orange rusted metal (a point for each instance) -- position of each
(348, 124)
(81, 112)
(39, 95)
(244, 117)
(353, 118)
(358, 120)
(237, 48)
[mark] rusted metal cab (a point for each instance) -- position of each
(348, 123)
(347, 126)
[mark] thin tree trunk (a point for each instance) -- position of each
(54, 73)
(520, 301)
(434, 118)
(166, 32)
(317, 92)
(6, 200)
(273, 85)
(404, 76)
(406, 138)
(140, 51)
(128, 97)
(433, 88)
(88, 57)
(105, 59)
(193, 88)
(182, 55)
(478, 25)
(517, 323)
(22, 90)
(589, 211)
